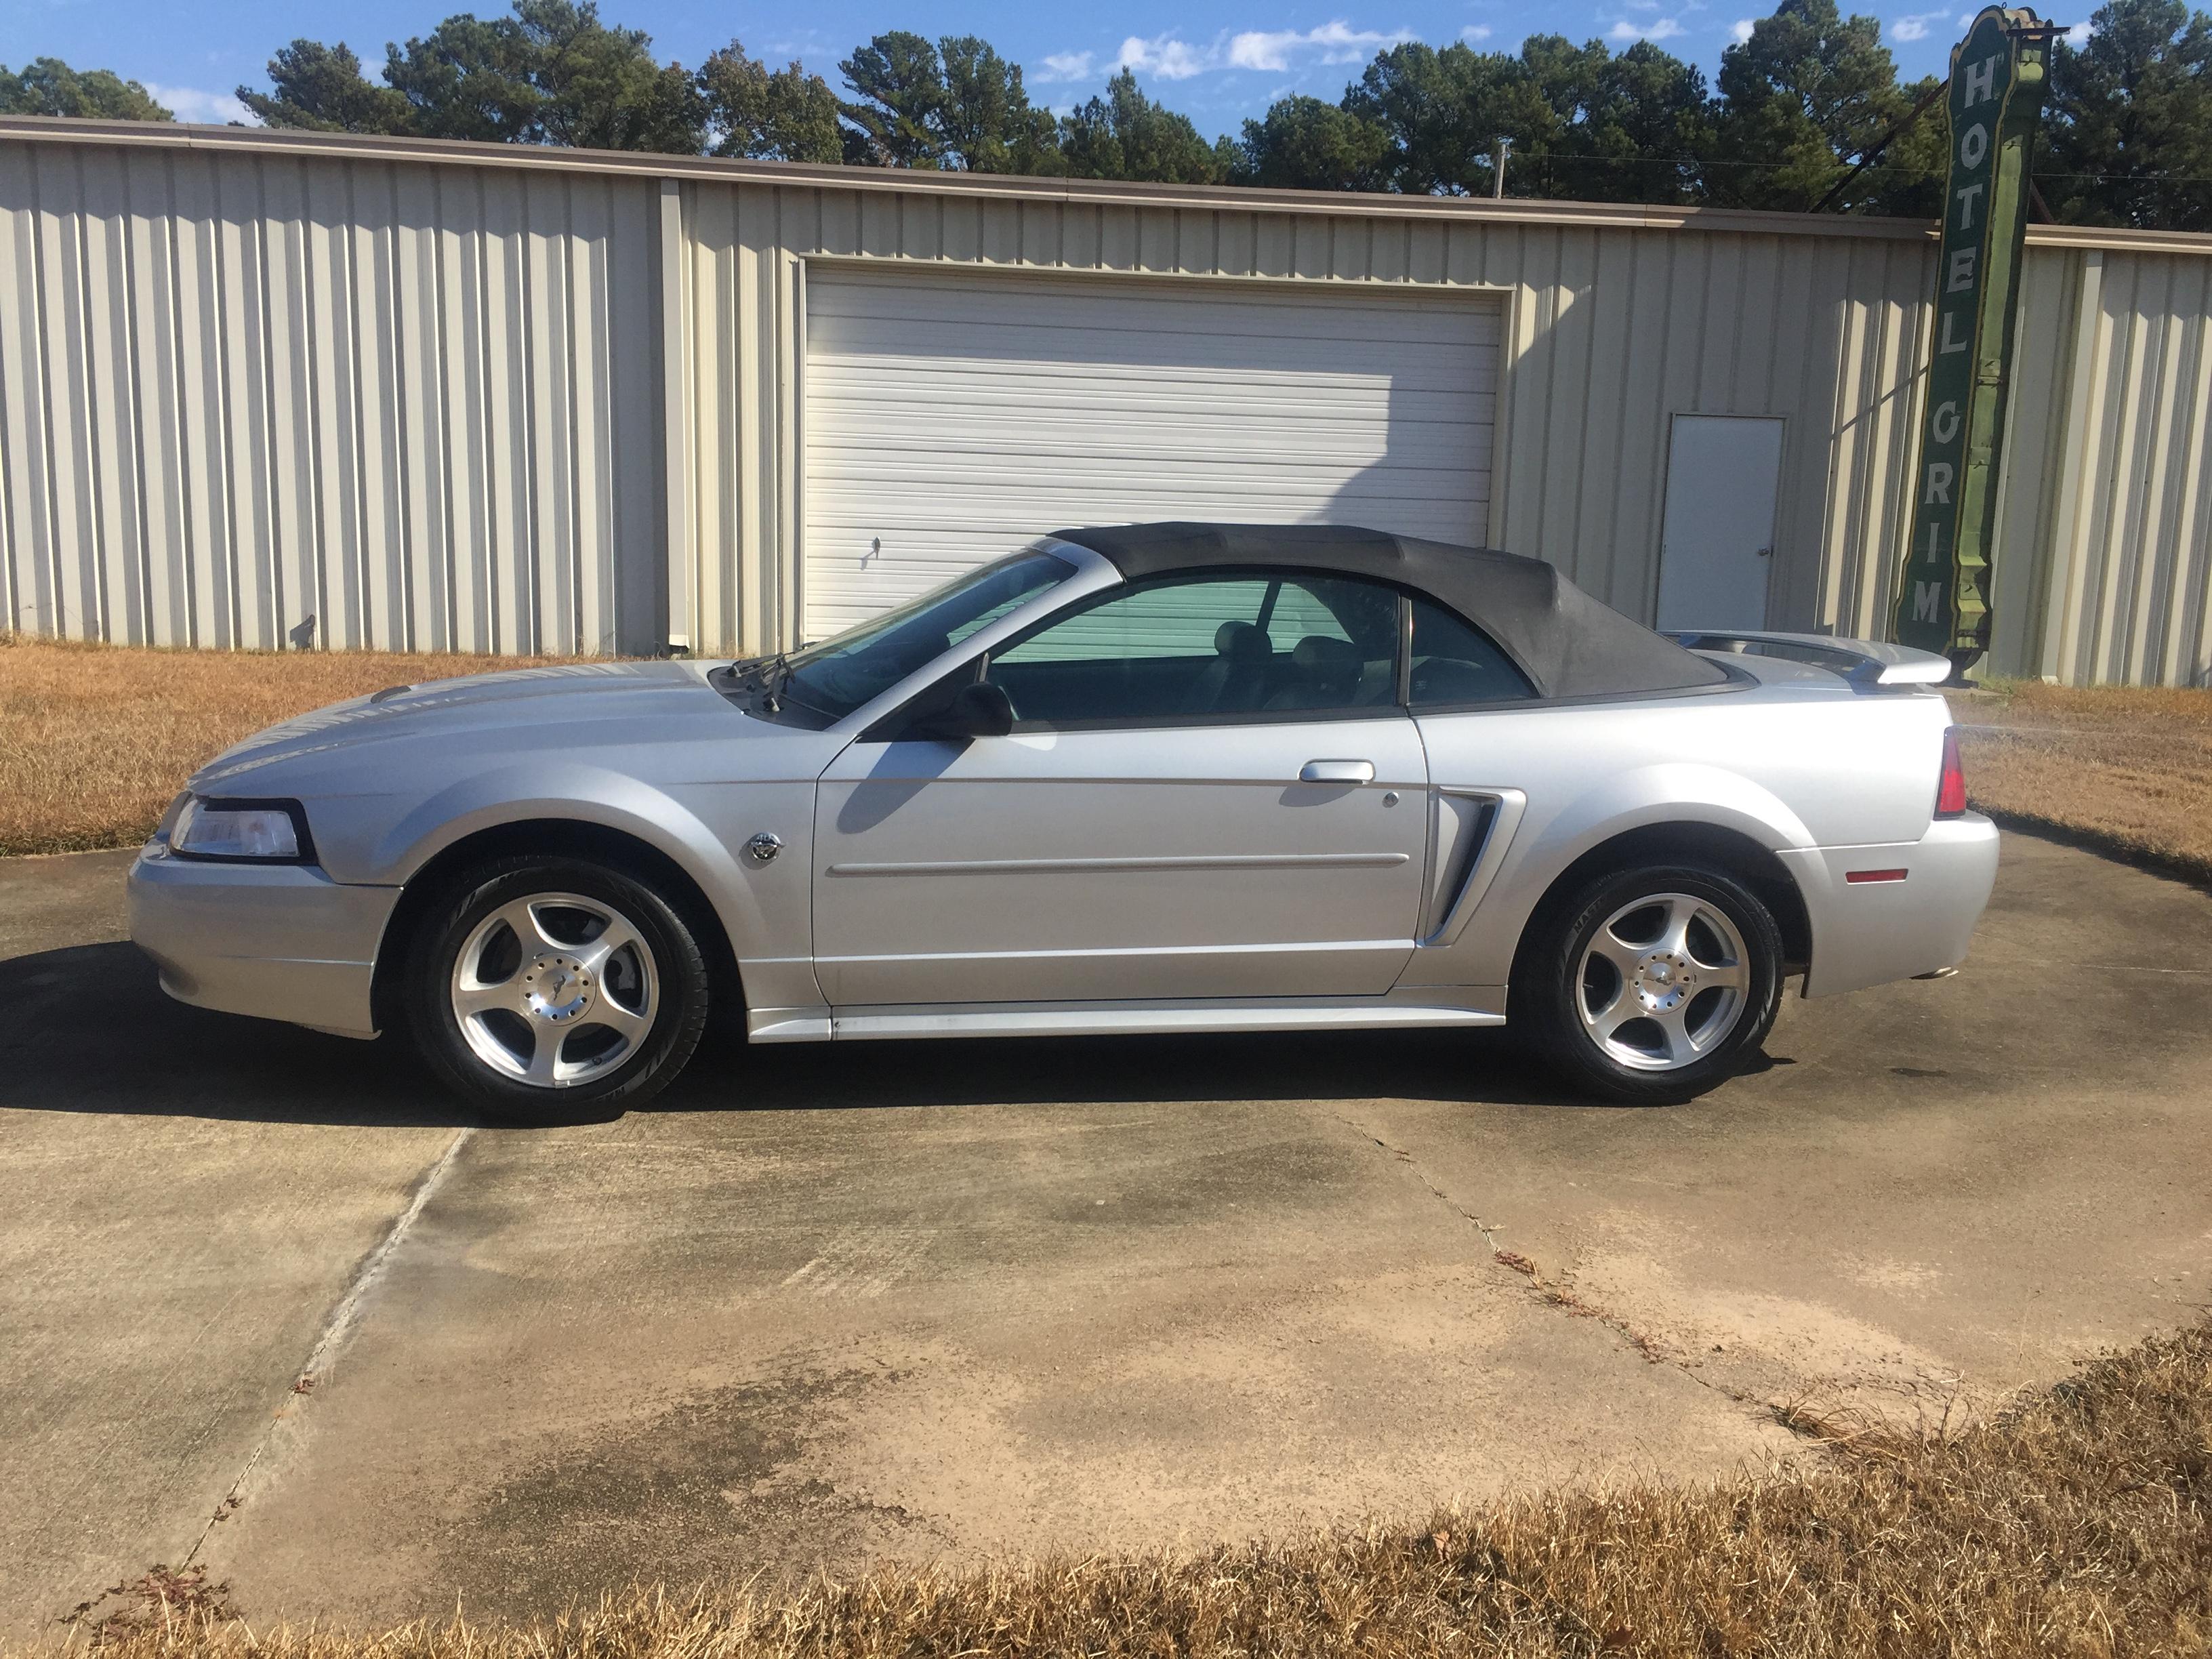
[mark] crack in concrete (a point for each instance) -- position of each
(1489, 1233)
(1555, 1295)
(337, 1328)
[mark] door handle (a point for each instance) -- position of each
(1337, 771)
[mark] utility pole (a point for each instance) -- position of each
(1497, 171)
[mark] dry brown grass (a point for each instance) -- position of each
(2126, 768)
(95, 740)
(2078, 1524)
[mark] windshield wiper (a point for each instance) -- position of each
(771, 674)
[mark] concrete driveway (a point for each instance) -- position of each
(266, 1301)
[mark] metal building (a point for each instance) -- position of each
(445, 396)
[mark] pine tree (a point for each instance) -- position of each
(1124, 135)
(1302, 144)
(784, 115)
(47, 86)
(1802, 101)
(895, 116)
(2128, 123)
(321, 89)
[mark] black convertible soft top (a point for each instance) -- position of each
(1568, 643)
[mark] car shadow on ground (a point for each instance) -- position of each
(94, 1032)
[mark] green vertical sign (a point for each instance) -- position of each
(1996, 101)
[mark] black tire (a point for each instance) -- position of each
(1555, 981)
(657, 988)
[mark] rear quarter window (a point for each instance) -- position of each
(1455, 662)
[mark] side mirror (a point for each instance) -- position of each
(978, 710)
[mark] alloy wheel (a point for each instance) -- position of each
(1662, 982)
(555, 989)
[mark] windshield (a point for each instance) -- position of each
(836, 677)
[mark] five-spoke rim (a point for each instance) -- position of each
(555, 989)
(1663, 981)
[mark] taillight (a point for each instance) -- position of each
(1951, 792)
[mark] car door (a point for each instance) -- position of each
(1211, 790)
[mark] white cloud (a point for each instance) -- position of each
(2078, 36)
(1336, 42)
(1258, 49)
(1272, 51)
(808, 43)
(1740, 31)
(207, 108)
(1914, 27)
(1166, 57)
(1066, 66)
(1659, 29)
(1474, 32)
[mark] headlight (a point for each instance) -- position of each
(263, 831)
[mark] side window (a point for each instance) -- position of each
(1454, 663)
(1162, 621)
(1299, 614)
(1207, 650)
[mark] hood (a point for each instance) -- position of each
(568, 706)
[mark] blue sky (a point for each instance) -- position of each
(1217, 60)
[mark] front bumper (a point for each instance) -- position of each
(282, 941)
(1870, 933)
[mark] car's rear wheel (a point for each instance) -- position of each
(1649, 986)
(540, 986)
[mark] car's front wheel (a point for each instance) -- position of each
(1649, 987)
(538, 985)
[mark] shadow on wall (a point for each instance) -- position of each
(1608, 543)
(1435, 455)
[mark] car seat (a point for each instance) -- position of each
(1324, 674)
(1237, 676)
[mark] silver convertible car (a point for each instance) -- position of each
(1172, 777)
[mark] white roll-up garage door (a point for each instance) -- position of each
(948, 418)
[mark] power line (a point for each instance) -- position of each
(1562, 159)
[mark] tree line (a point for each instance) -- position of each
(1806, 113)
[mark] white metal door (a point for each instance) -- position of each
(1151, 864)
(1716, 541)
(951, 417)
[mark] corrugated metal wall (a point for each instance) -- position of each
(415, 402)
(2113, 446)
(744, 328)
(249, 376)
(1614, 331)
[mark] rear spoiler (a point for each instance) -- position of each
(1868, 664)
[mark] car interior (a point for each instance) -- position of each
(1214, 647)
